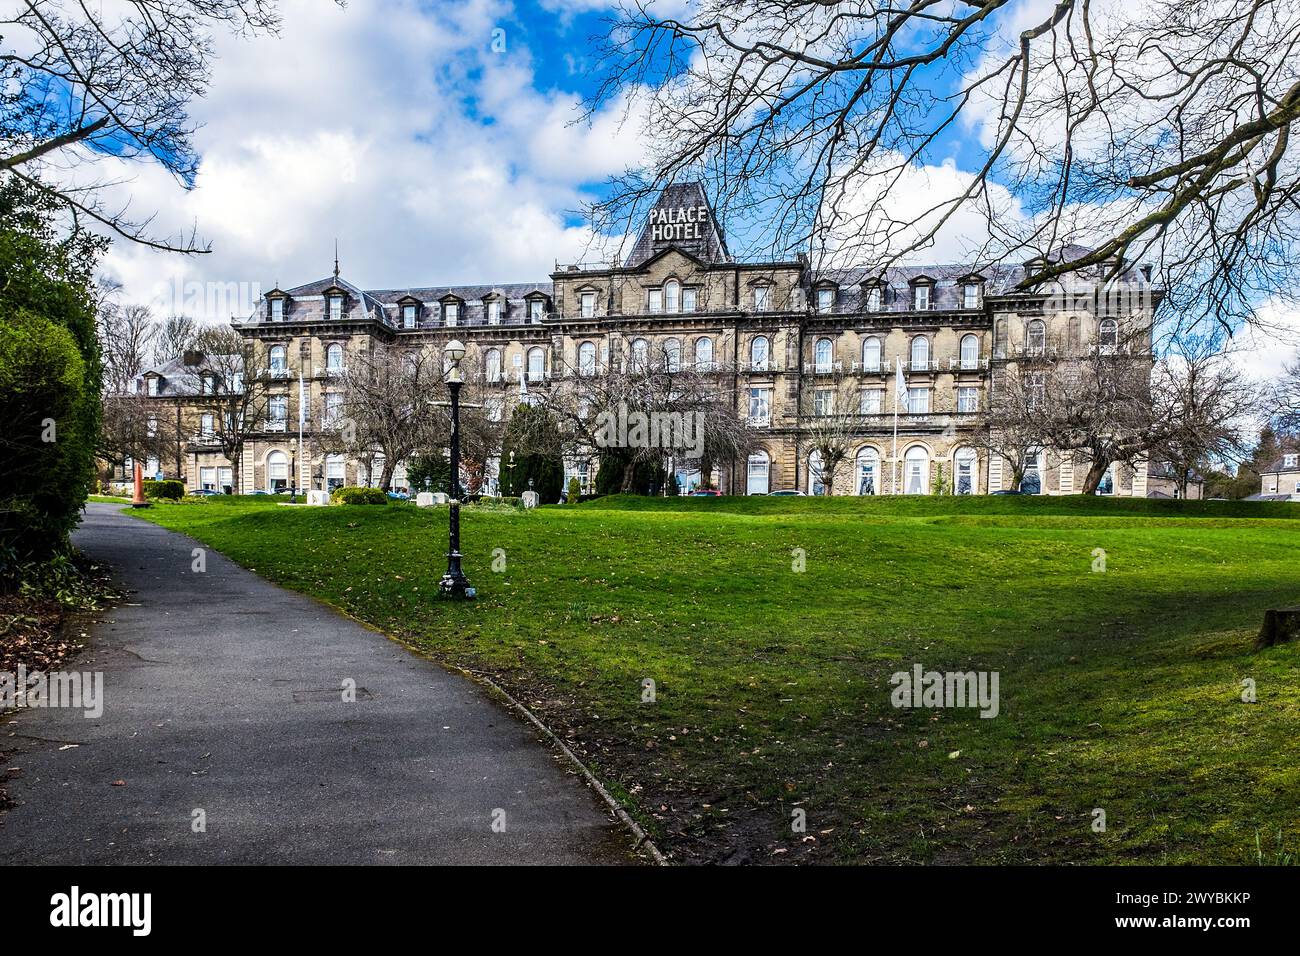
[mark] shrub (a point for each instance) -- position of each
(359, 496)
(49, 373)
(575, 490)
(170, 489)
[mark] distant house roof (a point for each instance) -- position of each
(1279, 464)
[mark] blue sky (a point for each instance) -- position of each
(401, 130)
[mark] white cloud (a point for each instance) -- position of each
(365, 124)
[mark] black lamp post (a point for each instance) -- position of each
(293, 478)
(454, 583)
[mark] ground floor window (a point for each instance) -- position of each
(226, 480)
(334, 472)
(277, 471)
(816, 475)
(208, 479)
(916, 471)
(868, 472)
(758, 473)
(964, 471)
(1032, 482)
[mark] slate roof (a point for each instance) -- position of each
(307, 303)
(999, 279)
(711, 247)
(177, 379)
(1278, 464)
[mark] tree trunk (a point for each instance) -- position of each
(1096, 472)
(629, 476)
(386, 476)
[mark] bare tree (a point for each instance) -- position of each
(831, 418)
(1284, 397)
(83, 81)
(1207, 403)
(175, 336)
(1157, 130)
(384, 406)
(126, 340)
(1012, 427)
(688, 412)
(234, 391)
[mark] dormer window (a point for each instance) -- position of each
(451, 314)
(875, 297)
(277, 309)
(336, 308)
(588, 305)
(1034, 266)
(151, 385)
(408, 315)
(921, 297)
(1290, 461)
(825, 300)
(494, 312)
(970, 295)
(762, 298)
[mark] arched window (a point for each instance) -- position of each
(970, 351)
(672, 355)
(870, 354)
(536, 365)
(916, 471)
(963, 471)
(278, 358)
(587, 358)
(758, 353)
(758, 474)
(816, 476)
(1108, 335)
(492, 365)
(1036, 337)
(867, 472)
(672, 296)
(640, 353)
(334, 357)
(704, 353)
(277, 471)
(822, 353)
(920, 354)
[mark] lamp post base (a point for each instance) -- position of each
(455, 589)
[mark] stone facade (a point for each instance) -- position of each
(773, 331)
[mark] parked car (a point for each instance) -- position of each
(705, 493)
(399, 496)
(784, 492)
(203, 493)
(1009, 491)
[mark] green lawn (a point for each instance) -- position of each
(1118, 690)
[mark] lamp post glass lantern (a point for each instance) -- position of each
(454, 584)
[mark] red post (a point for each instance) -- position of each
(139, 501)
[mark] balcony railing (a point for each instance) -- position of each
(822, 368)
(274, 425)
(969, 364)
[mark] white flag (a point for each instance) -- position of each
(900, 387)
